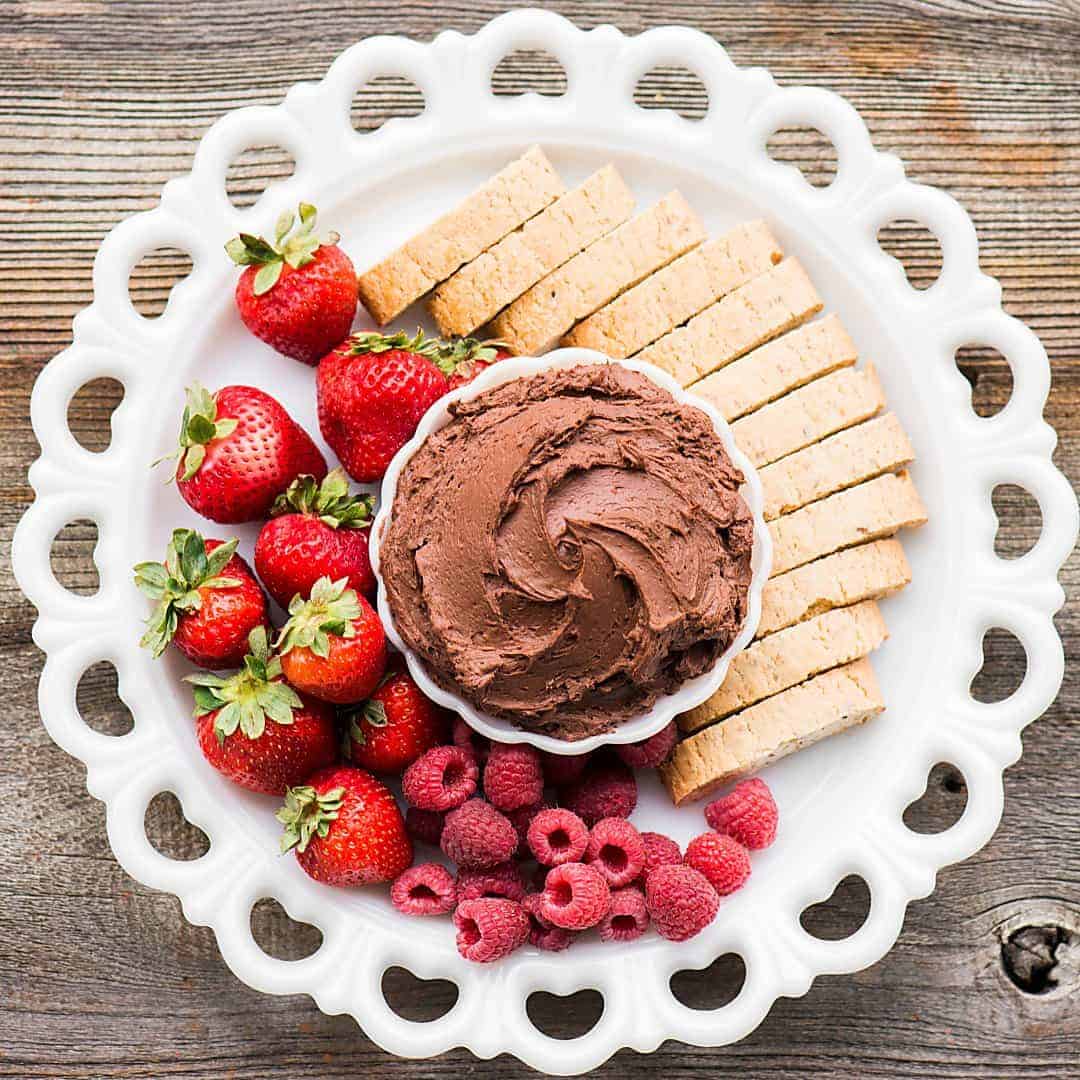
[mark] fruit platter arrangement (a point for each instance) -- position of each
(321, 714)
(547, 591)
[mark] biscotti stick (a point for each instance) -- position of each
(601, 272)
(867, 572)
(772, 729)
(480, 290)
(792, 656)
(506, 201)
(764, 308)
(681, 289)
(807, 415)
(814, 349)
(840, 461)
(870, 511)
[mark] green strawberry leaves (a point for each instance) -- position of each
(174, 585)
(306, 813)
(374, 712)
(294, 243)
(452, 354)
(329, 501)
(246, 700)
(330, 610)
(374, 342)
(198, 426)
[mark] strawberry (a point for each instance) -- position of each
(239, 449)
(397, 724)
(298, 294)
(208, 601)
(318, 530)
(372, 391)
(256, 729)
(346, 828)
(333, 646)
(462, 360)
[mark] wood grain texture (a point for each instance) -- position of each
(100, 104)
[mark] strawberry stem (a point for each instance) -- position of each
(198, 426)
(294, 243)
(175, 584)
(249, 698)
(329, 501)
(458, 351)
(374, 342)
(331, 609)
(306, 813)
(374, 712)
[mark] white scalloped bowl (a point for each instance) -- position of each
(841, 802)
(667, 706)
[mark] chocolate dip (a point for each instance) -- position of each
(568, 547)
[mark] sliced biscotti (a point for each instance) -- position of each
(870, 511)
(505, 202)
(680, 290)
(775, 369)
(792, 656)
(815, 411)
(867, 572)
(480, 290)
(841, 461)
(601, 272)
(762, 309)
(775, 727)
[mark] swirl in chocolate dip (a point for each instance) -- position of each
(570, 546)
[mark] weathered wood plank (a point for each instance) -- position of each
(100, 104)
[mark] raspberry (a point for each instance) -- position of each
(681, 901)
(540, 877)
(513, 777)
(502, 881)
(424, 826)
(476, 836)
(440, 779)
(747, 813)
(427, 889)
(627, 918)
(723, 861)
(467, 739)
(542, 934)
(603, 791)
(616, 850)
(650, 752)
(660, 850)
(575, 896)
(562, 769)
(489, 929)
(521, 819)
(557, 836)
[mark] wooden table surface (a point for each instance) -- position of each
(101, 102)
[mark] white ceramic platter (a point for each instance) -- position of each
(841, 802)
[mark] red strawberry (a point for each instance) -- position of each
(239, 449)
(346, 828)
(333, 646)
(318, 530)
(395, 725)
(208, 601)
(298, 294)
(462, 360)
(256, 729)
(372, 391)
